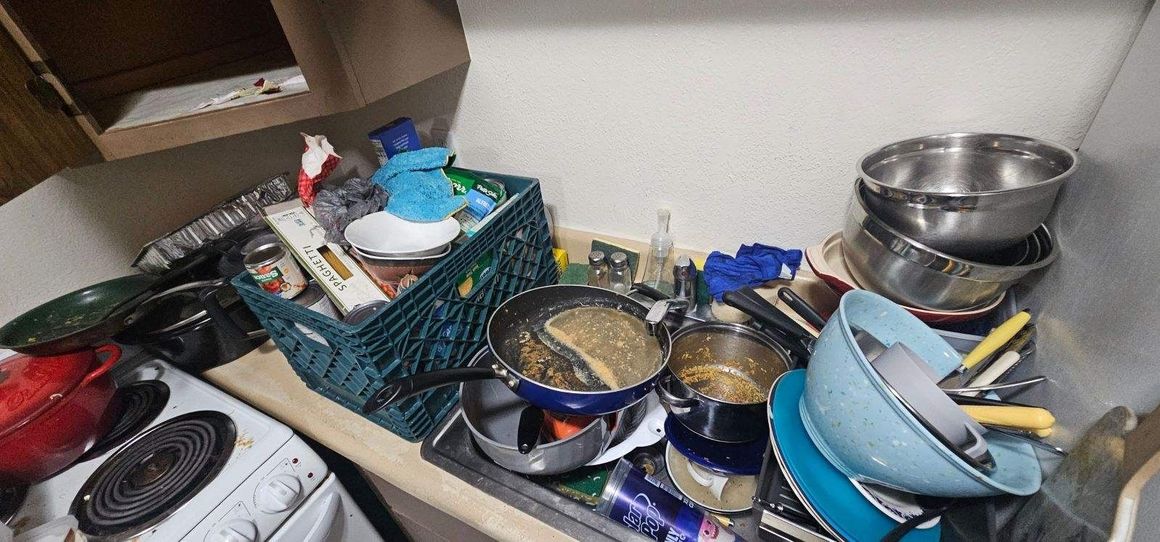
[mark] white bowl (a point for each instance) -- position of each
(386, 235)
(427, 255)
(437, 251)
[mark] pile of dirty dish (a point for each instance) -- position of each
(867, 439)
(945, 224)
(396, 251)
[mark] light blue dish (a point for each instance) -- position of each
(829, 492)
(867, 433)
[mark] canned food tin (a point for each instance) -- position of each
(275, 270)
(315, 299)
(364, 311)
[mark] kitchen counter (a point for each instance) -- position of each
(265, 380)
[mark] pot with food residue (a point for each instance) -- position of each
(718, 378)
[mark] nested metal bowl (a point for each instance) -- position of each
(884, 260)
(964, 193)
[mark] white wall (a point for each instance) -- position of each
(745, 118)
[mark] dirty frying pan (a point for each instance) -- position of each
(530, 362)
(83, 318)
(77, 320)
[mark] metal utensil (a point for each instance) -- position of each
(996, 369)
(886, 261)
(966, 193)
(992, 387)
(996, 339)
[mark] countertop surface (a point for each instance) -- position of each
(265, 380)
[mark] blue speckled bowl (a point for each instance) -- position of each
(867, 433)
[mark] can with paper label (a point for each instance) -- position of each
(275, 270)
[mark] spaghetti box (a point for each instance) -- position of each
(394, 138)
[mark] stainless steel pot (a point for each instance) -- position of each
(734, 354)
(492, 413)
(964, 193)
(885, 261)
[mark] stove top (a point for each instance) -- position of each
(185, 456)
(141, 403)
(150, 478)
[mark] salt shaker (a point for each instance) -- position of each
(597, 269)
(619, 277)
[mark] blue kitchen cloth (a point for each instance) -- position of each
(754, 265)
(419, 191)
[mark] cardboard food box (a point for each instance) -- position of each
(343, 280)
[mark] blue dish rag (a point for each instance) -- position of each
(754, 265)
(419, 191)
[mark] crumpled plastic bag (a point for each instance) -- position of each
(335, 207)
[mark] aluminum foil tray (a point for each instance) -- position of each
(157, 256)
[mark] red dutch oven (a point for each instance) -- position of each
(52, 410)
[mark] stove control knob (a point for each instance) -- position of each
(278, 494)
(235, 530)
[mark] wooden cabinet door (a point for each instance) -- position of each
(37, 137)
(389, 46)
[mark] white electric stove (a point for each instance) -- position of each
(186, 461)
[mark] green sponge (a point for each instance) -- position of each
(608, 248)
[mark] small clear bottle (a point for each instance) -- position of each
(597, 269)
(659, 262)
(619, 276)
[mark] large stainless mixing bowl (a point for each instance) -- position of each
(966, 194)
(885, 261)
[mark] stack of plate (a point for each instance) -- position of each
(846, 509)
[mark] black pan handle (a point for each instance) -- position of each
(398, 390)
(750, 302)
(209, 299)
(650, 292)
(902, 529)
(795, 347)
(528, 431)
(984, 401)
(800, 306)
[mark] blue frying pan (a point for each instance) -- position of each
(517, 315)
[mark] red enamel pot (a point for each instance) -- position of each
(52, 410)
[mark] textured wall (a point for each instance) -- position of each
(746, 117)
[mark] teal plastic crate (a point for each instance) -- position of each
(431, 325)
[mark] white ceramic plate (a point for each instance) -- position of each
(736, 496)
(384, 234)
(900, 506)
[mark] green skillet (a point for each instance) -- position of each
(80, 319)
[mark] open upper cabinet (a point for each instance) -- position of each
(136, 75)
